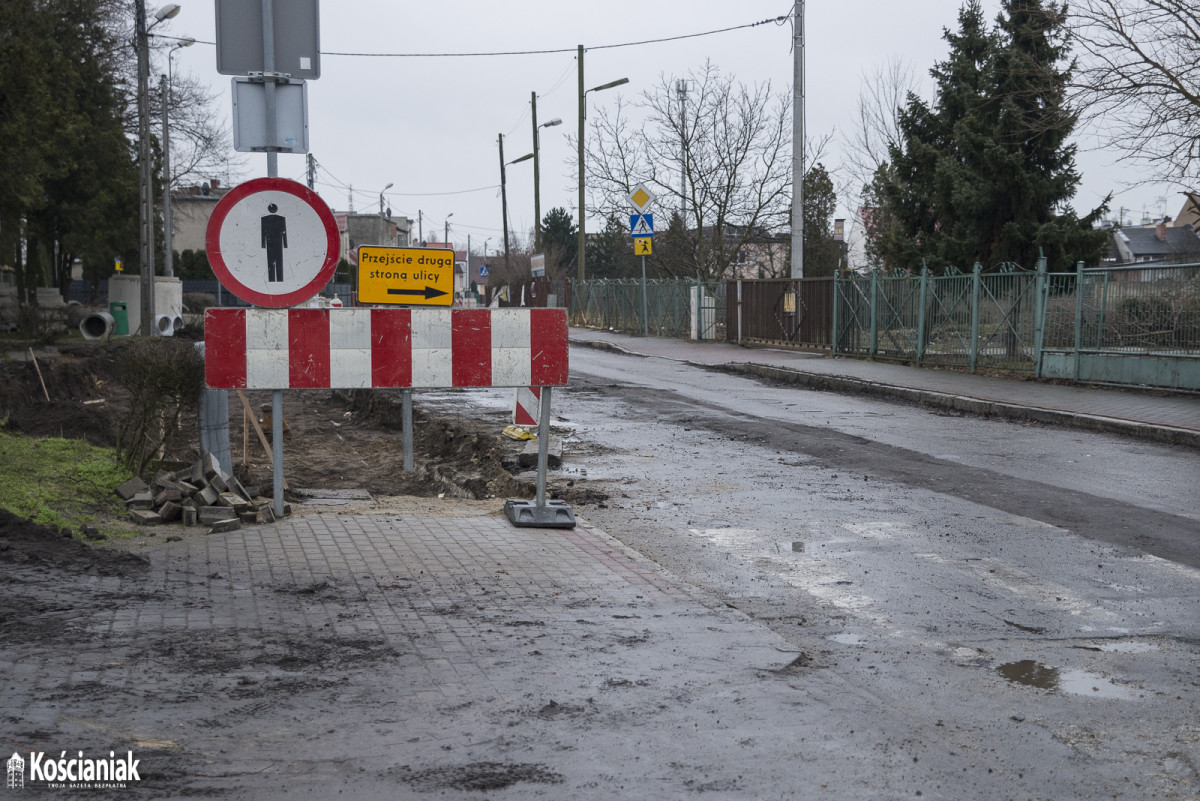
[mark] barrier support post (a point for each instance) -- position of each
(541, 513)
(407, 422)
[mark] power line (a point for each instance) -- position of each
(554, 51)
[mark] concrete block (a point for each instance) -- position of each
(529, 456)
(140, 500)
(197, 477)
(131, 487)
(190, 515)
(170, 512)
(236, 486)
(187, 489)
(167, 496)
(208, 495)
(235, 502)
(221, 526)
(161, 478)
(145, 517)
(250, 517)
(265, 514)
(211, 514)
(219, 484)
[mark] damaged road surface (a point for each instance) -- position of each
(772, 593)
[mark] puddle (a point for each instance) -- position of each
(1030, 629)
(1075, 682)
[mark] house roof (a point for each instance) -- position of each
(1142, 242)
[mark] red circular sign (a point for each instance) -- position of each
(272, 242)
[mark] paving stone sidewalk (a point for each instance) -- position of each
(385, 654)
(1161, 416)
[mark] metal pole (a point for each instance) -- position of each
(874, 315)
(833, 339)
(739, 311)
(1039, 317)
(645, 303)
(975, 283)
(579, 256)
(543, 445)
(921, 314)
(503, 200)
(168, 256)
(537, 180)
(1079, 279)
(798, 139)
(277, 450)
(407, 422)
(146, 198)
(268, 14)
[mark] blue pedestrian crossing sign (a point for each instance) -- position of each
(641, 225)
(484, 271)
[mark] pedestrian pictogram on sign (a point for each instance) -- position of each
(641, 224)
(272, 242)
(642, 246)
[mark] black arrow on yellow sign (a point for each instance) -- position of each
(428, 292)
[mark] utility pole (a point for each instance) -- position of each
(420, 228)
(682, 88)
(537, 202)
(350, 197)
(580, 271)
(312, 172)
(798, 140)
(146, 198)
(503, 200)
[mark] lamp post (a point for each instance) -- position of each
(504, 192)
(446, 228)
(146, 198)
(168, 223)
(386, 188)
(537, 174)
(582, 118)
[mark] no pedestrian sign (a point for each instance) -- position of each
(272, 242)
(407, 276)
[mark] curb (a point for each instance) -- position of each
(1169, 435)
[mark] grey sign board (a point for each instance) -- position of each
(297, 37)
(250, 116)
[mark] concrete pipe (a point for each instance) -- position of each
(97, 325)
(164, 325)
(176, 324)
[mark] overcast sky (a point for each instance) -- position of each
(429, 125)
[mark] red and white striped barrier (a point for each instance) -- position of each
(353, 348)
(527, 408)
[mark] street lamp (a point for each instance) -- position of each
(168, 222)
(537, 174)
(504, 191)
(386, 188)
(582, 118)
(446, 225)
(146, 197)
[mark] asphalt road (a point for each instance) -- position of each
(1007, 596)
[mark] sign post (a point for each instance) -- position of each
(641, 228)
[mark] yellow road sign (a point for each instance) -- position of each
(408, 276)
(643, 246)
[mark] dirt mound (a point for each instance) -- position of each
(24, 542)
(86, 397)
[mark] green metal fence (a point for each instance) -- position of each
(968, 320)
(674, 307)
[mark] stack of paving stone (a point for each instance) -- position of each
(202, 494)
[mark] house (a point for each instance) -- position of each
(191, 208)
(1160, 244)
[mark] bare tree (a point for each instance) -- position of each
(1138, 80)
(885, 90)
(733, 145)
